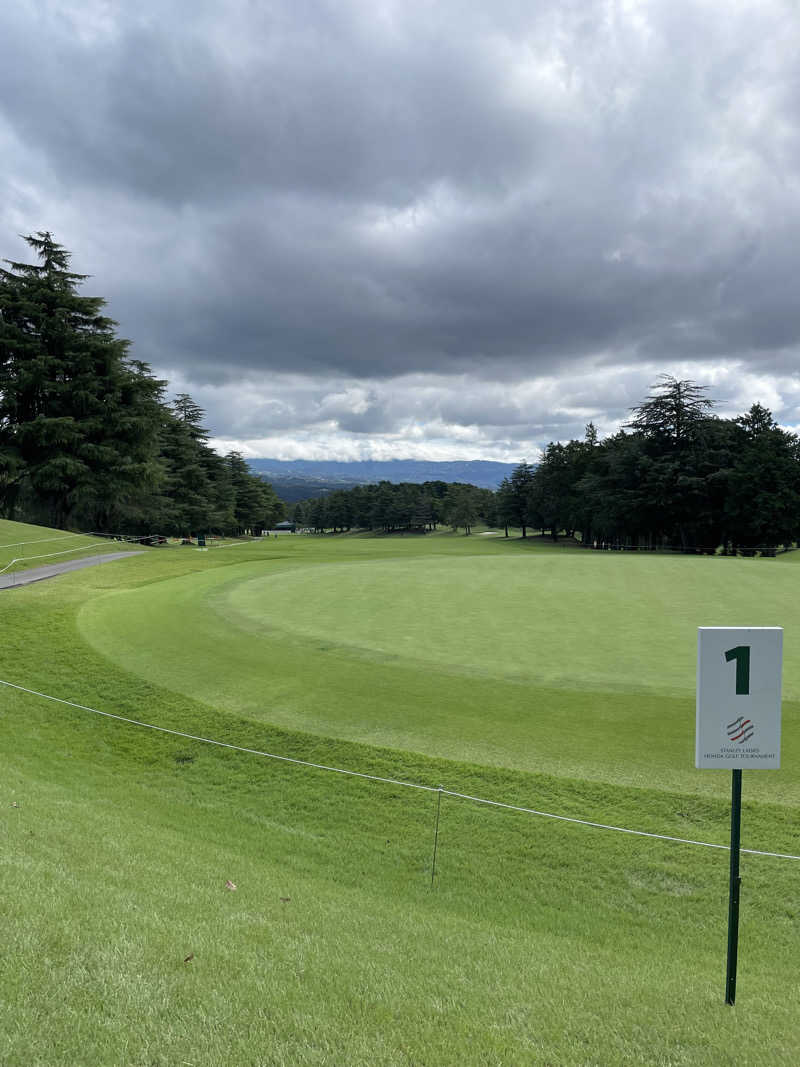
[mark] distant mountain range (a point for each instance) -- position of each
(300, 479)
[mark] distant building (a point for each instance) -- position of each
(284, 527)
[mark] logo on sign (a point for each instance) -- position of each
(740, 729)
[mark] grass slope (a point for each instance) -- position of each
(541, 943)
(23, 547)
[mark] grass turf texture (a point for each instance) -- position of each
(24, 547)
(542, 943)
(570, 663)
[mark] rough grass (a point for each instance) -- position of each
(541, 942)
(23, 547)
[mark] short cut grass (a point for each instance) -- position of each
(541, 942)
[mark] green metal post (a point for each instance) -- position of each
(735, 885)
(436, 834)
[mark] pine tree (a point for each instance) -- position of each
(763, 500)
(461, 507)
(78, 418)
(193, 504)
(299, 513)
(517, 493)
(255, 502)
(671, 422)
(673, 412)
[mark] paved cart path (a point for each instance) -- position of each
(38, 574)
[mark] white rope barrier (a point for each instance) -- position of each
(395, 781)
(40, 541)
(619, 829)
(220, 744)
(47, 555)
(234, 544)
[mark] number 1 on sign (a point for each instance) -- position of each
(742, 656)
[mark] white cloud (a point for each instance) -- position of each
(424, 417)
(411, 229)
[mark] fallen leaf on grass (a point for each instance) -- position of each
(230, 885)
(285, 900)
(189, 957)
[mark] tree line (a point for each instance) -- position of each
(392, 507)
(88, 439)
(674, 476)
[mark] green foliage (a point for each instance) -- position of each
(399, 507)
(763, 502)
(255, 504)
(672, 414)
(517, 499)
(681, 479)
(78, 418)
(86, 438)
(461, 507)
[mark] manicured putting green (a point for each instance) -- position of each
(599, 621)
(581, 665)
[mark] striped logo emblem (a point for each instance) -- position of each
(740, 729)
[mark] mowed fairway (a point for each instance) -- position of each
(545, 677)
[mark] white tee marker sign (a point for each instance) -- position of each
(738, 725)
(739, 697)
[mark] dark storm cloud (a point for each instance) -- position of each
(515, 200)
(182, 104)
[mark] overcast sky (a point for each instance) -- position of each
(436, 229)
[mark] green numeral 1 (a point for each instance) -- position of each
(742, 656)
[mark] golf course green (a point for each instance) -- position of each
(169, 901)
(576, 663)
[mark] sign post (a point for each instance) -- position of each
(734, 887)
(738, 725)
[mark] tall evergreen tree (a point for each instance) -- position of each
(763, 502)
(299, 512)
(518, 497)
(461, 507)
(78, 418)
(193, 503)
(673, 412)
(552, 485)
(671, 421)
(255, 504)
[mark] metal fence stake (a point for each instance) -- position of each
(436, 834)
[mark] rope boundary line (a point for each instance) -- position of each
(395, 781)
(41, 540)
(48, 555)
(219, 744)
(235, 544)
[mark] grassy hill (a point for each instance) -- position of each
(553, 680)
(23, 547)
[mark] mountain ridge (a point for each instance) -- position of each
(298, 479)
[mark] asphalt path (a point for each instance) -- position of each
(38, 574)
